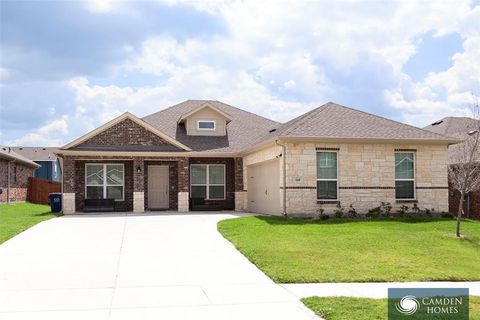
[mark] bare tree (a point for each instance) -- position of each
(464, 171)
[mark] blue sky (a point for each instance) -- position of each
(68, 67)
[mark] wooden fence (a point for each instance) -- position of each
(39, 189)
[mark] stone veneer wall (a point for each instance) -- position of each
(18, 181)
(366, 176)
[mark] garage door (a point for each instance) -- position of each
(264, 188)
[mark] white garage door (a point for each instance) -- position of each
(264, 188)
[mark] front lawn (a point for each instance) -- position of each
(347, 308)
(297, 250)
(17, 217)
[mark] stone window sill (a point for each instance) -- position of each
(328, 202)
(406, 201)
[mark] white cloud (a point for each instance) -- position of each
(50, 135)
(280, 60)
(105, 6)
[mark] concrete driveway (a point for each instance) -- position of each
(135, 267)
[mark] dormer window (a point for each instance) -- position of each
(206, 125)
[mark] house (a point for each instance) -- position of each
(50, 168)
(15, 170)
(459, 127)
(208, 155)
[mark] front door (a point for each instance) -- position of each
(158, 187)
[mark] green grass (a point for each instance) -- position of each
(297, 250)
(347, 308)
(15, 218)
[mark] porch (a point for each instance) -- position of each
(139, 184)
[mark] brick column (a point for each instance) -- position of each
(240, 193)
(138, 184)
(68, 194)
(183, 185)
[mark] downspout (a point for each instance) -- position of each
(284, 149)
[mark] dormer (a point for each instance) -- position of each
(206, 120)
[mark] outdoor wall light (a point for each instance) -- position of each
(139, 170)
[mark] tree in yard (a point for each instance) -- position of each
(464, 172)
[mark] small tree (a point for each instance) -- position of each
(464, 172)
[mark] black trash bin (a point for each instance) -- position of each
(55, 202)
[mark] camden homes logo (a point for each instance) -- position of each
(428, 303)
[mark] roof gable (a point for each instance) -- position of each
(244, 129)
(203, 106)
(120, 132)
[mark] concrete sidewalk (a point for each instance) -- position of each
(370, 290)
(172, 266)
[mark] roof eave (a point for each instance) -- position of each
(11, 158)
(202, 154)
(371, 140)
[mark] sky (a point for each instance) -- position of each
(67, 67)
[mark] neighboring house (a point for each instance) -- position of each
(15, 170)
(202, 154)
(459, 127)
(50, 168)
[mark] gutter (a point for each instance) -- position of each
(284, 150)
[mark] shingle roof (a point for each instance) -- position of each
(332, 120)
(37, 153)
(457, 127)
(10, 155)
(242, 131)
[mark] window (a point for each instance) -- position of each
(104, 181)
(327, 175)
(205, 125)
(207, 181)
(405, 175)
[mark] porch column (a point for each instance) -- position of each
(68, 188)
(183, 185)
(240, 193)
(138, 184)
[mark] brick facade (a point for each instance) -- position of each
(179, 178)
(229, 202)
(125, 133)
(80, 182)
(18, 181)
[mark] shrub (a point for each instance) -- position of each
(386, 208)
(416, 209)
(447, 215)
(339, 211)
(352, 212)
(374, 212)
(403, 210)
(321, 215)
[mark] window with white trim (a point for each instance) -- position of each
(405, 175)
(207, 181)
(206, 125)
(104, 181)
(327, 175)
